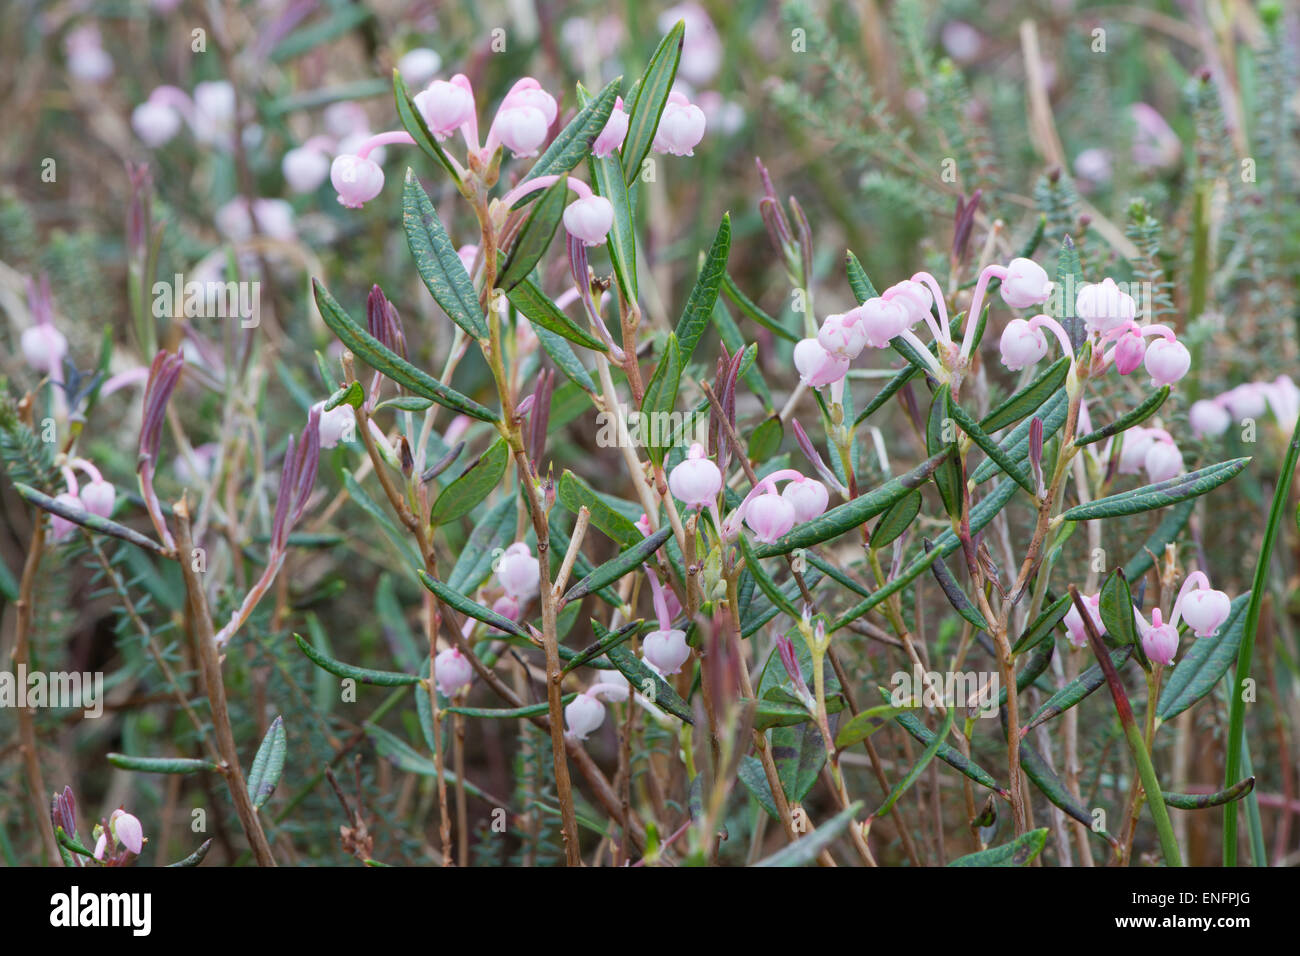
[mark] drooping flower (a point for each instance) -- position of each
(454, 671)
(1168, 361)
(1103, 306)
(808, 497)
(1159, 640)
(518, 571)
(1204, 609)
(816, 366)
(1208, 418)
(697, 480)
(304, 168)
(1025, 284)
(1076, 631)
(615, 131)
(1162, 460)
(589, 218)
(1021, 345)
(666, 650)
(356, 180)
(1129, 351)
(681, 127)
(419, 66)
(843, 336)
(583, 715)
(770, 516)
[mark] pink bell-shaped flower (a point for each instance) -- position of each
(1104, 307)
(666, 650)
(1208, 418)
(1167, 360)
(1076, 632)
(126, 830)
(1129, 351)
(446, 105)
(615, 131)
(816, 366)
(769, 516)
(518, 571)
(583, 715)
(1021, 345)
(1025, 284)
(808, 497)
(681, 127)
(356, 180)
(589, 219)
(454, 671)
(44, 347)
(1159, 640)
(1205, 610)
(695, 481)
(98, 496)
(843, 336)
(1162, 460)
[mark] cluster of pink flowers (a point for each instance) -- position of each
(96, 496)
(121, 840)
(1203, 608)
(209, 112)
(1211, 417)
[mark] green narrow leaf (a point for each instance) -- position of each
(750, 310)
(160, 764)
(537, 307)
(268, 765)
(864, 724)
(765, 440)
(1200, 669)
(946, 752)
(389, 363)
(858, 281)
(1116, 609)
(1135, 416)
(661, 395)
(939, 426)
(1159, 495)
(414, 123)
(535, 236)
(437, 262)
(649, 684)
(807, 849)
(92, 522)
(1076, 690)
(565, 359)
(467, 606)
(473, 485)
(648, 103)
(352, 395)
(922, 762)
(362, 675)
(1043, 625)
(699, 306)
(896, 519)
(195, 858)
(800, 754)
(1030, 398)
(606, 640)
(575, 494)
(510, 713)
(764, 580)
(991, 447)
(1019, 852)
(615, 568)
(1201, 801)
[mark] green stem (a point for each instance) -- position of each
(1236, 702)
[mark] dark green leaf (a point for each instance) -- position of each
(648, 103)
(268, 765)
(1159, 495)
(437, 262)
(473, 485)
(1019, 852)
(362, 675)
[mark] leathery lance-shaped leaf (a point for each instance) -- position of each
(1030, 398)
(806, 849)
(574, 494)
(765, 440)
(1016, 444)
(761, 611)
(754, 777)
(606, 640)
(494, 531)
(352, 395)
(800, 754)
(268, 765)
(778, 713)
(896, 519)
(749, 308)
(699, 306)
(1204, 664)
(616, 567)
(1076, 690)
(473, 485)
(949, 754)
(86, 519)
(562, 354)
(944, 545)
(573, 143)
(414, 124)
(764, 580)
(1202, 801)
(882, 397)
(1116, 609)
(1136, 416)
(649, 684)
(508, 713)
(1170, 527)
(195, 858)
(467, 606)
(538, 309)
(960, 602)
(922, 762)
(362, 675)
(535, 236)
(436, 260)
(1019, 852)
(649, 100)
(1043, 625)
(160, 764)
(852, 513)
(990, 447)
(858, 281)
(1051, 786)
(607, 180)
(1159, 495)
(661, 396)
(863, 724)
(388, 363)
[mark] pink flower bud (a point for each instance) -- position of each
(418, 66)
(356, 180)
(808, 497)
(1136, 442)
(304, 169)
(1022, 345)
(97, 497)
(61, 528)
(44, 347)
(882, 319)
(1159, 640)
(1103, 307)
(1167, 361)
(1205, 610)
(518, 571)
(769, 516)
(615, 131)
(681, 127)
(454, 671)
(446, 105)
(843, 336)
(666, 650)
(155, 123)
(589, 219)
(818, 367)
(1129, 352)
(1076, 632)
(1025, 285)
(334, 424)
(1162, 461)
(695, 481)
(521, 128)
(1245, 401)
(583, 715)
(127, 831)
(1208, 418)
(101, 845)
(914, 297)
(506, 606)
